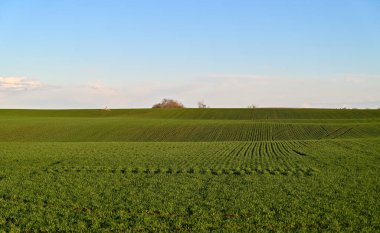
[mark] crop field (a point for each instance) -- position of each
(191, 170)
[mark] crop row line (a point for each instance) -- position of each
(235, 171)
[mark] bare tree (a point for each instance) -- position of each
(106, 109)
(251, 106)
(201, 104)
(168, 103)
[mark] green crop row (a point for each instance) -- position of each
(125, 129)
(195, 170)
(282, 156)
(211, 113)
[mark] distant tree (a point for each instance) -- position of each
(168, 103)
(106, 109)
(252, 106)
(201, 104)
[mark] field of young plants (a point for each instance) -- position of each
(254, 170)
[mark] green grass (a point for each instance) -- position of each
(207, 113)
(190, 170)
(85, 129)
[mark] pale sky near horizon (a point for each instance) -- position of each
(227, 53)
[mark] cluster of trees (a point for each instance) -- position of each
(170, 103)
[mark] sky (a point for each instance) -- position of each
(226, 53)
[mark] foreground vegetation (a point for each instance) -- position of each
(190, 170)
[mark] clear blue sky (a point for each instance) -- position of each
(116, 45)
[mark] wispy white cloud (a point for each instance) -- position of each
(101, 87)
(237, 76)
(216, 90)
(18, 84)
(357, 78)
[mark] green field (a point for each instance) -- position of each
(190, 170)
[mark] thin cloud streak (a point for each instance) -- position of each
(18, 84)
(217, 90)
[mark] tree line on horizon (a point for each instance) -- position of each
(171, 103)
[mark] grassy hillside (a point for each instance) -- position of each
(190, 170)
(207, 113)
(186, 125)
